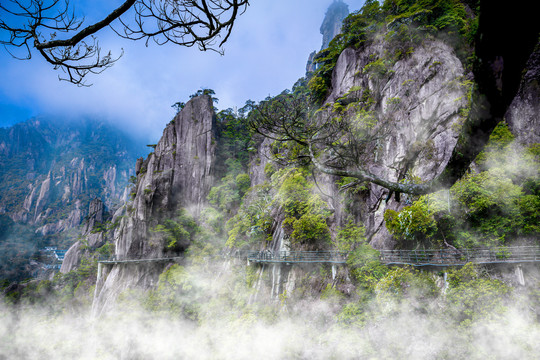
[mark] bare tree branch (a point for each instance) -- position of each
(36, 24)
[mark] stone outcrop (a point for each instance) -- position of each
(333, 20)
(63, 161)
(523, 117)
(311, 66)
(420, 98)
(330, 27)
(93, 238)
(177, 175)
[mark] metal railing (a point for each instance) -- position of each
(123, 260)
(443, 257)
(459, 257)
(266, 256)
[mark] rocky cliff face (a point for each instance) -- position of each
(92, 239)
(333, 21)
(50, 170)
(420, 100)
(424, 99)
(524, 114)
(177, 175)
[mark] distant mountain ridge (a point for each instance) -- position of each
(51, 169)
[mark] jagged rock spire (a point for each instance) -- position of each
(333, 20)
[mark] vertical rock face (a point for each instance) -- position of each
(93, 240)
(178, 174)
(311, 66)
(421, 98)
(333, 21)
(524, 114)
(48, 167)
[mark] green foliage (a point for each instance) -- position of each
(349, 236)
(487, 208)
(490, 201)
(233, 141)
(331, 294)
(414, 224)
(178, 106)
(351, 185)
(376, 68)
(449, 16)
(472, 296)
(233, 144)
(253, 221)
(365, 267)
(318, 88)
(293, 191)
(243, 183)
(226, 196)
(177, 232)
(306, 212)
(177, 293)
(499, 142)
(208, 92)
(269, 170)
(309, 229)
(402, 282)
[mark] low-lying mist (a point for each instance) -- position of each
(206, 311)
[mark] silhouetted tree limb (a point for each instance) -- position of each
(35, 24)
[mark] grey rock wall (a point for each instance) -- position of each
(333, 21)
(92, 240)
(420, 99)
(178, 174)
(523, 117)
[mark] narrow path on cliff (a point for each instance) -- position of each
(443, 257)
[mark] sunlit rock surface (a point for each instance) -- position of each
(178, 174)
(421, 98)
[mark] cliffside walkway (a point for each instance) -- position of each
(331, 257)
(459, 257)
(444, 257)
(114, 260)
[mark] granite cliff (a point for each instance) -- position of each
(178, 175)
(50, 172)
(422, 98)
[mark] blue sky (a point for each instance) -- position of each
(265, 54)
